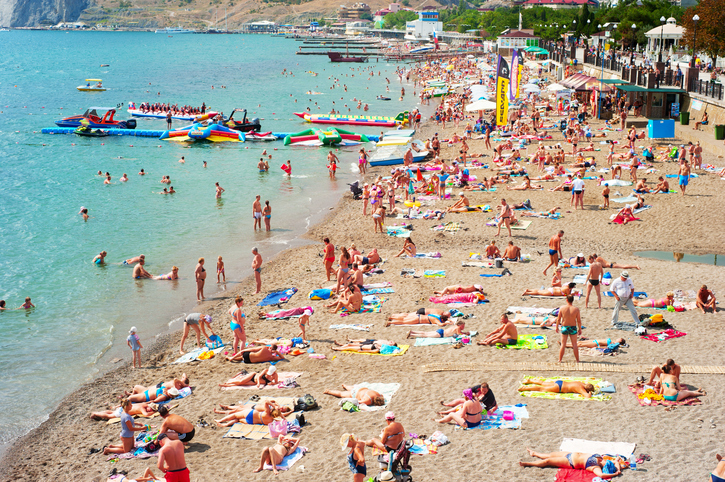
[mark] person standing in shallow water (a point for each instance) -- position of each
(200, 275)
(257, 212)
(267, 215)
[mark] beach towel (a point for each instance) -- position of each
(491, 275)
(618, 182)
(434, 255)
(354, 326)
(628, 199)
(284, 378)
(637, 294)
(289, 460)
(597, 382)
(528, 342)
(647, 397)
(193, 355)
(531, 310)
(278, 297)
(671, 176)
(451, 227)
(522, 225)
(579, 279)
(593, 447)
(663, 335)
(401, 349)
(574, 475)
(429, 273)
(259, 432)
(286, 314)
(496, 420)
(477, 264)
(446, 340)
(378, 291)
(320, 294)
(459, 298)
(370, 304)
(398, 231)
(643, 208)
(617, 220)
(139, 452)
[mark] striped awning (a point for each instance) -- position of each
(583, 82)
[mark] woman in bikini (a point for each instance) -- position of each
(237, 324)
(449, 290)
(275, 455)
(267, 215)
(470, 414)
(671, 389)
(365, 198)
(448, 331)
(558, 386)
(200, 275)
(268, 376)
(408, 248)
(174, 274)
(251, 416)
(344, 268)
(653, 303)
(604, 343)
(594, 463)
(553, 291)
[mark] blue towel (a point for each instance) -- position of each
(321, 294)
(278, 298)
(637, 294)
(491, 275)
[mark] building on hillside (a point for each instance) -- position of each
(392, 8)
(515, 39)
(670, 33)
(423, 28)
(599, 38)
(347, 14)
(561, 4)
(358, 27)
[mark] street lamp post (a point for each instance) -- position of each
(662, 28)
(695, 19)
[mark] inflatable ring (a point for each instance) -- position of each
(411, 204)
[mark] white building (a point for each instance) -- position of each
(423, 28)
(670, 33)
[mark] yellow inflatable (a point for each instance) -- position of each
(411, 204)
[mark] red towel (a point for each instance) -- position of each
(574, 475)
(669, 334)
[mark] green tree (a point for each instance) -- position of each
(461, 7)
(710, 28)
(399, 19)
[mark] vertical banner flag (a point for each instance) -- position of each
(502, 87)
(513, 84)
(520, 71)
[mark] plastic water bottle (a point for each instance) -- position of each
(632, 463)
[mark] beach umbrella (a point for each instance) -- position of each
(482, 104)
(531, 88)
(555, 87)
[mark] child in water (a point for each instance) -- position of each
(220, 270)
(27, 305)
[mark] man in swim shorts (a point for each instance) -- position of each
(594, 278)
(171, 459)
(176, 426)
(257, 212)
(506, 334)
(139, 271)
(684, 176)
(257, 268)
(554, 250)
(571, 323)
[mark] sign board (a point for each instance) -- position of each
(696, 104)
(674, 109)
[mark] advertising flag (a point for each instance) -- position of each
(502, 86)
(513, 84)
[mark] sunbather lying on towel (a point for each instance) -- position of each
(613, 264)
(363, 395)
(363, 346)
(275, 455)
(462, 205)
(671, 388)
(533, 320)
(268, 376)
(558, 386)
(449, 290)
(146, 409)
(603, 343)
(155, 395)
(652, 303)
(177, 383)
(454, 330)
(372, 258)
(594, 463)
(423, 316)
(553, 291)
(251, 416)
(470, 414)
(505, 334)
(227, 409)
(351, 300)
(624, 215)
(257, 354)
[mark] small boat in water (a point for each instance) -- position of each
(260, 136)
(174, 30)
(244, 125)
(92, 118)
(88, 132)
(98, 87)
(393, 155)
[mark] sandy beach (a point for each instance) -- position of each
(682, 443)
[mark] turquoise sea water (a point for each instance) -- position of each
(84, 311)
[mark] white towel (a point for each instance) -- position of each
(593, 447)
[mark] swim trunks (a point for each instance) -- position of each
(511, 341)
(684, 180)
(258, 215)
(440, 332)
(354, 468)
(186, 437)
(421, 311)
(569, 330)
(179, 475)
(594, 282)
(245, 357)
(552, 252)
(365, 260)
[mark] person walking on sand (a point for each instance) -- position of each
(304, 321)
(571, 323)
(505, 217)
(554, 250)
(257, 268)
(257, 212)
(219, 190)
(328, 257)
(171, 459)
(594, 280)
(200, 276)
(684, 176)
(356, 456)
(623, 291)
(135, 345)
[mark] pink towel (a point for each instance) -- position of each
(280, 314)
(459, 298)
(669, 334)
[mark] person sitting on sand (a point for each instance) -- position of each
(625, 215)
(556, 279)
(408, 248)
(558, 386)
(462, 205)
(363, 346)
(658, 371)
(176, 426)
(506, 334)
(553, 291)
(671, 389)
(454, 289)
(252, 416)
(653, 303)
(268, 376)
(148, 476)
(482, 393)
(424, 316)
(492, 251)
(372, 258)
(614, 265)
(351, 300)
(449, 331)
(172, 275)
(594, 463)
(596, 343)
(470, 415)
(663, 186)
(512, 252)
(257, 354)
(145, 409)
(706, 300)
(275, 455)
(363, 395)
(128, 427)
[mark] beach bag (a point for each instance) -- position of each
(307, 402)
(277, 428)
(214, 342)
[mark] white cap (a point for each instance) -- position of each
(173, 392)
(132, 330)
(271, 370)
(580, 255)
(307, 313)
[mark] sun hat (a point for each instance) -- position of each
(625, 274)
(386, 476)
(307, 313)
(173, 392)
(346, 437)
(461, 193)
(390, 415)
(132, 330)
(271, 370)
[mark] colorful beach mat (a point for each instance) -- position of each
(663, 335)
(647, 397)
(446, 340)
(597, 382)
(496, 420)
(278, 297)
(400, 351)
(528, 342)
